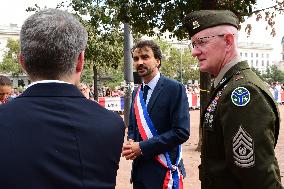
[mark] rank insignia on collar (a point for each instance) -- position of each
(195, 24)
(239, 77)
(243, 149)
(240, 96)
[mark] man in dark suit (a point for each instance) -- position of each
(51, 136)
(163, 112)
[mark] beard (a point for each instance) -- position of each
(144, 71)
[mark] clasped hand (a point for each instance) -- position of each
(131, 150)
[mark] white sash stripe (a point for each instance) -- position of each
(143, 121)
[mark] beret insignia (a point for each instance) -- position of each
(195, 24)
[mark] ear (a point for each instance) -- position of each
(158, 62)
(22, 60)
(230, 40)
(80, 62)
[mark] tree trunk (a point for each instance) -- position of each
(205, 78)
(96, 96)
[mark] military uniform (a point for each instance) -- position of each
(241, 121)
(240, 130)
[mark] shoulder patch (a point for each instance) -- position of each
(243, 149)
(240, 96)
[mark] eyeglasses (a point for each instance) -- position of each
(200, 42)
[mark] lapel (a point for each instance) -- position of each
(155, 94)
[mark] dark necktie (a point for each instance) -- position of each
(145, 92)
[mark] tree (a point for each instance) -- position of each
(273, 74)
(177, 63)
(258, 73)
(9, 64)
(105, 37)
(168, 15)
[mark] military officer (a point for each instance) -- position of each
(241, 121)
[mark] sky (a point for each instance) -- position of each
(13, 11)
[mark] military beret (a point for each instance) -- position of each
(199, 20)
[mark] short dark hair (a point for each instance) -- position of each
(5, 81)
(151, 44)
(51, 41)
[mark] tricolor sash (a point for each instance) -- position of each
(173, 179)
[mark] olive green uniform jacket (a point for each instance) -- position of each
(240, 131)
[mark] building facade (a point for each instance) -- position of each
(258, 55)
(280, 64)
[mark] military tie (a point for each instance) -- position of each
(145, 92)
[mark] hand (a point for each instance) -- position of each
(131, 150)
(126, 148)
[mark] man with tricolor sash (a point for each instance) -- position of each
(158, 124)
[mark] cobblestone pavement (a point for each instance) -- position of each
(192, 158)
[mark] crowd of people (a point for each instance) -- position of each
(52, 136)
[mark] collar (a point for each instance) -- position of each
(47, 81)
(224, 70)
(52, 89)
(152, 84)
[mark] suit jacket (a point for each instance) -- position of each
(169, 111)
(52, 137)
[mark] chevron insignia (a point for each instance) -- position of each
(240, 96)
(243, 149)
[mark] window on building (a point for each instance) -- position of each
(241, 54)
(262, 63)
(256, 55)
(256, 63)
(251, 55)
(262, 55)
(251, 63)
(267, 63)
(246, 54)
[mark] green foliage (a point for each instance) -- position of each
(273, 74)
(115, 74)
(9, 64)
(105, 42)
(258, 73)
(168, 15)
(177, 61)
(105, 37)
(87, 75)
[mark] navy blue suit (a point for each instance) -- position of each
(168, 110)
(52, 137)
